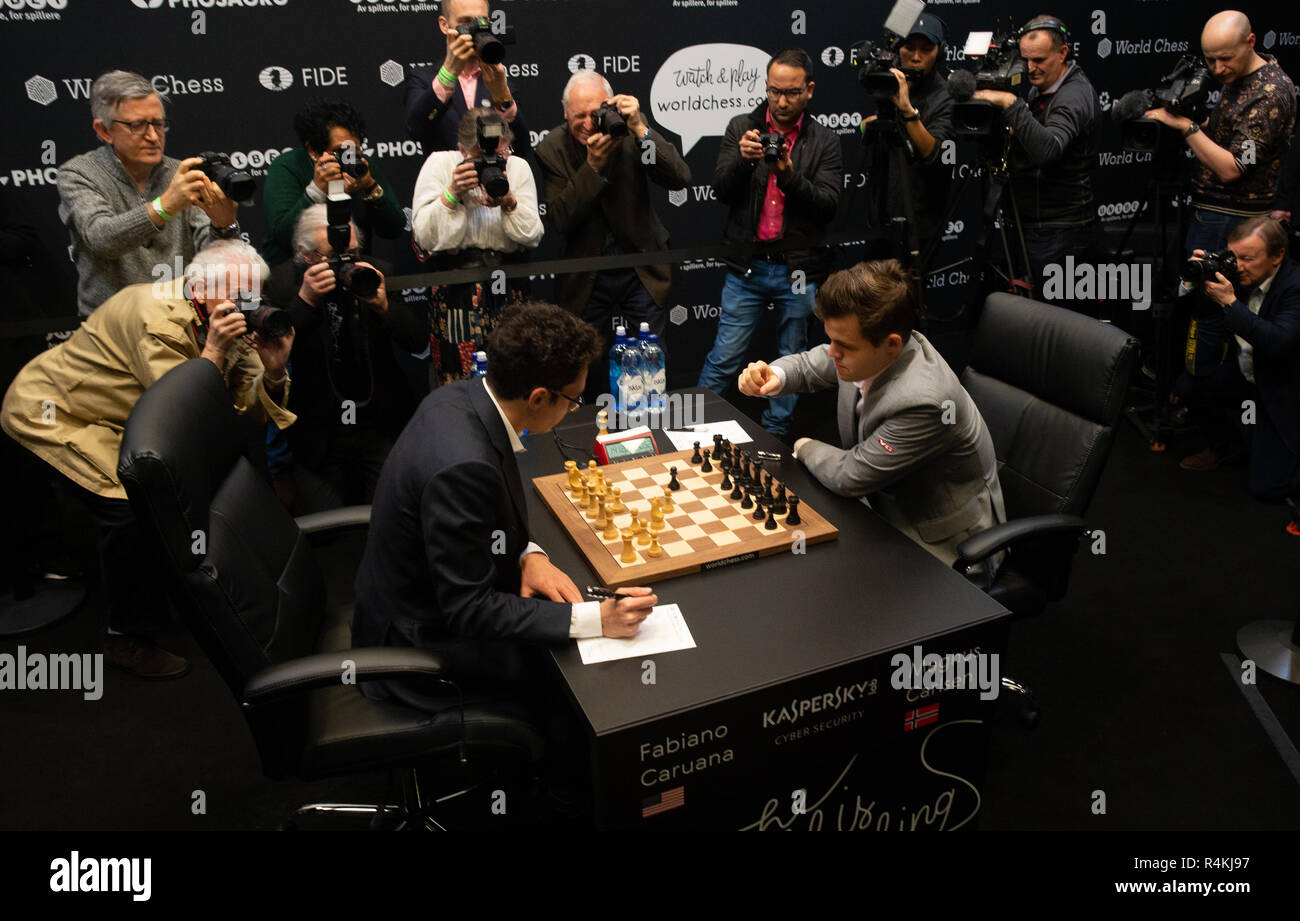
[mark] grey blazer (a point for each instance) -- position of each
(919, 453)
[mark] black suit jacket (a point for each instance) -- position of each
(1275, 337)
(435, 124)
(449, 520)
(585, 206)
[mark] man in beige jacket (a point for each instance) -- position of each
(69, 406)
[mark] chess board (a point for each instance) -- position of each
(705, 529)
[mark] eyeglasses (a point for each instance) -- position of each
(793, 95)
(315, 255)
(580, 401)
(141, 125)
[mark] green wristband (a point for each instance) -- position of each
(451, 198)
(446, 77)
(157, 206)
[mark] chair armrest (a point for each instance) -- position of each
(336, 519)
(326, 670)
(1001, 536)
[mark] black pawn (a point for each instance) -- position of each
(770, 524)
(748, 500)
(707, 468)
(726, 477)
(738, 491)
(793, 517)
(695, 458)
(672, 482)
(759, 502)
(781, 507)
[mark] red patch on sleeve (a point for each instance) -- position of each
(884, 444)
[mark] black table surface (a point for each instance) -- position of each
(766, 621)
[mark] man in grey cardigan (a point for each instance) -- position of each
(912, 441)
(127, 207)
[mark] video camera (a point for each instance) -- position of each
(1205, 268)
(361, 281)
(1184, 92)
(1000, 68)
(489, 45)
(236, 184)
(873, 63)
(490, 164)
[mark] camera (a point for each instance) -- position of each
(773, 143)
(350, 162)
(268, 322)
(1184, 92)
(236, 184)
(1001, 68)
(361, 281)
(872, 63)
(607, 120)
(488, 45)
(1204, 269)
(490, 164)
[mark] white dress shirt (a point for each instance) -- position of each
(471, 224)
(1246, 354)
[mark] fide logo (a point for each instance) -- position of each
(391, 73)
(581, 61)
(677, 316)
(275, 78)
(677, 197)
(833, 56)
(41, 90)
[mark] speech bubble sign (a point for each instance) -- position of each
(700, 88)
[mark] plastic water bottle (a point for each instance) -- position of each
(616, 365)
(631, 383)
(654, 371)
(480, 364)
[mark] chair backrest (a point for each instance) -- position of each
(1050, 384)
(242, 574)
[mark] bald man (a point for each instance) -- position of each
(1240, 148)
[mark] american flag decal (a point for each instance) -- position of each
(923, 716)
(663, 801)
(884, 444)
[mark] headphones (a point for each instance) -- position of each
(1050, 24)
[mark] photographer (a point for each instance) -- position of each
(350, 395)
(1239, 153)
(792, 194)
(1261, 311)
(330, 132)
(127, 207)
(436, 101)
(1053, 149)
(924, 110)
(598, 195)
(455, 218)
(93, 381)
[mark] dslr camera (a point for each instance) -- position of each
(236, 184)
(773, 145)
(607, 120)
(361, 281)
(490, 164)
(1204, 269)
(350, 162)
(488, 45)
(267, 321)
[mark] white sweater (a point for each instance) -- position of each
(437, 228)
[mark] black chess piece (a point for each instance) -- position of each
(695, 458)
(759, 502)
(726, 447)
(717, 446)
(793, 517)
(770, 524)
(781, 507)
(726, 478)
(738, 491)
(672, 481)
(707, 468)
(767, 488)
(748, 500)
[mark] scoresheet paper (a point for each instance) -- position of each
(664, 630)
(729, 429)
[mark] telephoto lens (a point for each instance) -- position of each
(236, 184)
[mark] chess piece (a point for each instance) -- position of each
(726, 447)
(668, 500)
(594, 509)
(643, 538)
(611, 529)
(592, 471)
(656, 514)
(571, 468)
(717, 446)
(707, 467)
(672, 480)
(748, 500)
(635, 524)
(781, 507)
(695, 458)
(655, 550)
(629, 555)
(793, 517)
(602, 514)
(770, 524)
(759, 503)
(584, 496)
(602, 420)
(575, 486)
(617, 506)
(726, 479)
(738, 491)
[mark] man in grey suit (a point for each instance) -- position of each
(913, 443)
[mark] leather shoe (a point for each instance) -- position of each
(1205, 459)
(141, 658)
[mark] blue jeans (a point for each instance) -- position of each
(743, 303)
(1208, 230)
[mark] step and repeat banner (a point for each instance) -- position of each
(234, 72)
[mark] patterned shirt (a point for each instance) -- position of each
(1253, 121)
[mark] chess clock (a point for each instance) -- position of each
(621, 446)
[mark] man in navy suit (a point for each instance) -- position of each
(436, 99)
(1262, 312)
(448, 564)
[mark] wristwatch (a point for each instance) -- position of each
(504, 104)
(230, 230)
(376, 193)
(914, 117)
(1191, 129)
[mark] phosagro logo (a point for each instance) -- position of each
(391, 73)
(275, 78)
(42, 90)
(205, 4)
(833, 56)
(581, 62)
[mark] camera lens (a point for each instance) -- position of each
(361, 280)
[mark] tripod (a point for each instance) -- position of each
(887, 142)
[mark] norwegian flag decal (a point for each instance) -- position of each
(922, 716)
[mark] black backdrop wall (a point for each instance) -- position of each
(235, 72)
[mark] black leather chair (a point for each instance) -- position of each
(248, 582)
(1050, 384)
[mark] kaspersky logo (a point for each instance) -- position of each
(39, 89)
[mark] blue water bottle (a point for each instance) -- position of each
(616, 365)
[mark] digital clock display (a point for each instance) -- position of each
(629, 449)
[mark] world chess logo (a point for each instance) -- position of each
(677, 316)
(41, 90)
(1270, 39)
(275, 78)
(1103, 48)
(391, 73)
(677, 197)
(833, 56)
(581, 61)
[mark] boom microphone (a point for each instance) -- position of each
(961, 84)
(1133, 104)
